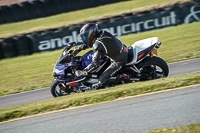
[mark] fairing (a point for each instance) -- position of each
(142, 48)
(59, 69)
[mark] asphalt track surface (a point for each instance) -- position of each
(159, 110)
(176, 68)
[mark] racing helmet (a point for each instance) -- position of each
(88, 33)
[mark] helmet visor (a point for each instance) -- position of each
(85, 35)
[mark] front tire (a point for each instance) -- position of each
(57, 89)
(153, 68)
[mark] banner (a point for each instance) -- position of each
(161, 18)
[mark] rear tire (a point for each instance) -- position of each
(153, 63)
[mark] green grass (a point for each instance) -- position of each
(99, 95)
(75, 16)
(35, 71)
(192, 128)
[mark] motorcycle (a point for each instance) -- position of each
(141, 65)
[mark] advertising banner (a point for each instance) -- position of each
(119, 26)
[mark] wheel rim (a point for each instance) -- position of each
(60, 90)
(152, 72)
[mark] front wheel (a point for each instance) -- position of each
(58, 90)
(153, 68)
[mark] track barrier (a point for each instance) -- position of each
(26, 10)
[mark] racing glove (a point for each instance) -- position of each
(80, 73)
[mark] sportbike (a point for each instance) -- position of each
(141, 65)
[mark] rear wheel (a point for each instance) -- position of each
(153, 68)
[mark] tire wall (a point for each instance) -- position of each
(42, 8)
(129, 23)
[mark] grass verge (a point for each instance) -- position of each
(192, 128)
(31, 72)
(80, 16)
(99, 95)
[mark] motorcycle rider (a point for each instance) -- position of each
(103, 43)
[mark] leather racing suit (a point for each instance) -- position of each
(111, 47)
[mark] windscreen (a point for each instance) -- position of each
(64, 58)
